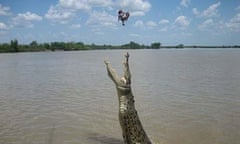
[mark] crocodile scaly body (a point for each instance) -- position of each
(132, 129)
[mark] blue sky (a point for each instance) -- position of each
(171, 22)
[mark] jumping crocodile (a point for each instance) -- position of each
(132, 129)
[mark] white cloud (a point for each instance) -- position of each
(139, 23)
(211, 11)
(164, 29)
(164, 21)
(25, 19)
(136, 7)
(85, 4)
(185, 3)
(134, 35)
(151, 24)
(59, 14)
(76, 26)
(195, 11)
(101, 3)
(148, 24)
(137, 13)
(3, 26)
(164, 25)
(65, 10)
(28, 16)
(101, 19)
(75, 4)
(206, 24)
(234, 23)
(182, 21)
(4, 10)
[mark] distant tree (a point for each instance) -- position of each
(131, 45)
(79, 46)
(180, 46)
(14, 45)
(69, 46)
(34, 44)
(5, 47)
(156, 45)
(46, 46)
(134, 45)
(58, 46)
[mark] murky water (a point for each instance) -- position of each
(187, 96)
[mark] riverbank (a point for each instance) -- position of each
(14, 46)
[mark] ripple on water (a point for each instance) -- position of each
(182, 96)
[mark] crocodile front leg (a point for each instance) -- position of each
(132, 129)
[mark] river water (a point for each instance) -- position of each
(184, 96)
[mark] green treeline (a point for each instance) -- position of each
(34, 46)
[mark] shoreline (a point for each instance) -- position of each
(14, 47)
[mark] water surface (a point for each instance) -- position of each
(184, 96)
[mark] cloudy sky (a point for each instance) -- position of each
(171, 22)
